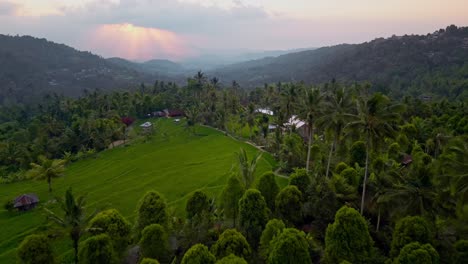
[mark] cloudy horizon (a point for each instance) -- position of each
(178, 30)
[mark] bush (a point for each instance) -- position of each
(461, 247)
(151, 210)
(112, 223)
(231, 259)
(197, 204)
(348, 238)
(35, 249)
(98, 249)
(231, 242)
(415, 253)
(149, 261)
(358, 153)
(154, 242)
(268, 188)
(273, 228)
(253, 215)
(340, 167)
(289, 205)
(290, 247)
(300, 178)
(9, 205)
(352, 176)
(410, 229)
(198, 254)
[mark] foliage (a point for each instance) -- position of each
(154, 242)
(98, 249)
(461, 248)
(418, 254)
(348, 238)
(198, 254)
(247, 168)
(149, 261)
(358, 153)
(47, 169)
(197, 204)
(411, 229)
(151, 210)
(253, 215)
(341, 167)
(9, 205)
(289, 247)
(301, 179)
(231, 259)
(112, 223)
(292, 152)
(230, 196)
(35, 249)
(288, 205)
(269, 188)
(231, 242)
(273, 228)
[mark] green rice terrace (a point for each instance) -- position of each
(173, 161)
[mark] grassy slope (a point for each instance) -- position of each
(174, 162)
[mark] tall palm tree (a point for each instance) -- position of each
(376, 119)
(74, 218)
(247, 168)
(337, 109)
(311, 108)
(47, 169)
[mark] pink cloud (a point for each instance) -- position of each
(137, 43)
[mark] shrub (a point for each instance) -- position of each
(198, 254)
(290, 247)
(268, 188)
(253, 215)
(289, 204)
(410, 229)
(35, 249)
(154, 242)
(197, 204)
(112, 223)
(415, 253)
(231, 242)
(300, 178)
(151, 210)
(231, 259)
(273, 228)
(98, 249)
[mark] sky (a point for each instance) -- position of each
(183, 29)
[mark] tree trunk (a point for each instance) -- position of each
(309, 146)
(378, 221)
(363, 196)
(332, 148)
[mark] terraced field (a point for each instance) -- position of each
(173, 162)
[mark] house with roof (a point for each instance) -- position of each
(298, 125)
(264, 111)
(26, 202)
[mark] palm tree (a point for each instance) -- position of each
(337, 108)
(247, 168)
(310, 111)
(47, 169)
(74, 218)
(376, 119)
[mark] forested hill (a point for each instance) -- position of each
(433, 64)
(31, 67)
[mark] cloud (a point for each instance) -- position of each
(8, 8)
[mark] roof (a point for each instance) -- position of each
(294, 121)
(146, 124)
(407, 159)
(25, 199)
(265, 111)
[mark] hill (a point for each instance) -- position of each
(174, 162)
(153, 67)
(31, 67)
(412, 64)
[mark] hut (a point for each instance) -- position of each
(26, 202)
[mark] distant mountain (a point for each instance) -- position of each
(31, 67)
(435, 64)
(154, 67)
(209, 60)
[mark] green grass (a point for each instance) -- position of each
(173, 162)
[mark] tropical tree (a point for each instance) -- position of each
(197, 204)
(253, 215)
(311, 107)
(288, 204)
(376, 119)
(337, 107)
(74, 219)
(416, 253)
(231, 242)
(35, 249)
(231, 259)
(289, 247)
(47, 169)
(152, 209)
(269, 188)
(273, 228)
(112, 223)
(230, 197)
(198, 254)
(98, 249)
(247, 168)
(411, 229)
(154, 242)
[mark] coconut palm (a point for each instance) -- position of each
(337, 109)
(47, 169)
(311, 108)
(247, 168)
(376, 119)
(74, 219)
